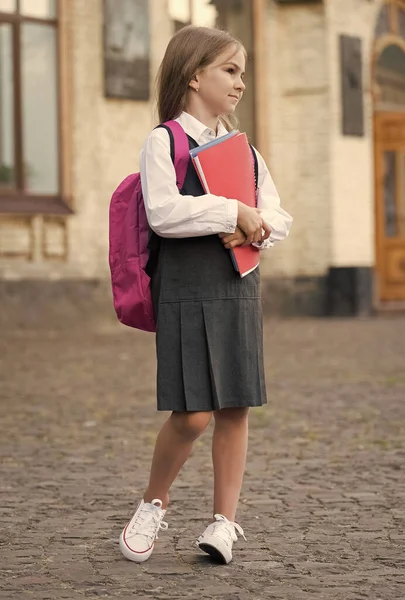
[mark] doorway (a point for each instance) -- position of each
(389, 150)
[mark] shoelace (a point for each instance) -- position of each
(222, 525)
(149, 522)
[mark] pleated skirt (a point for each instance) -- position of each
(209, 339)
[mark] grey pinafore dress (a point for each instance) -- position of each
(209, 338)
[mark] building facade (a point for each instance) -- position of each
(325, 104)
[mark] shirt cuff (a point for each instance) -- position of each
(264, 244)
(232, 216)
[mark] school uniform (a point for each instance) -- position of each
(209, 338)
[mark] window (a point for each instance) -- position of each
(234, 16)
(197, 12)
(390, 78)
(391, 19)
(126, 49)
(29, 98)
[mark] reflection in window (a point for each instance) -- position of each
(390, 76)
(390, 194)
(8, 5)
(196, 12)
(42, 9)
(39, 85)
(179, 12)
(401, 22)
(7, 167)
(383, 23)
(203, 13)
(126, 49)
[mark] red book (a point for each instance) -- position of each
(225, 168)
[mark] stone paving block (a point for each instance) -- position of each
(260, 565)
(167, 569)
(363, 495)
(397, 537)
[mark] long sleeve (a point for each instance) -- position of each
(269, 203)
(171, 214)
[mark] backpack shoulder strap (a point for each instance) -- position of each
(179, 150)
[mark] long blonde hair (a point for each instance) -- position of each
(190, 50)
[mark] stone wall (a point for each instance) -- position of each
(298, 90)
(351, 158)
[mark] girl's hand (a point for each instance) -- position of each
(231, 240)
(252, 224)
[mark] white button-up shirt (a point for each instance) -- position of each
(172, 215)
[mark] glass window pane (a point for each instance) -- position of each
(390, 176)
(383, 22)
(127, 42)
(197, 12)
(179, 11)
(401, 21)
(7, 172)
(8, 5)
(390, 76)
(42, 9)
(203, 14)
(39, 108)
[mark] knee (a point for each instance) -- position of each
(190, 424)
(231, 416)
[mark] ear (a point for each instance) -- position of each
(194, 83)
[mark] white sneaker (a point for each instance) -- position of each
(138, 538)
(217, 540)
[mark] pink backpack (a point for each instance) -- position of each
(129, 237)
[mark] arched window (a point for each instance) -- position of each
(390, 77)
(389, 64)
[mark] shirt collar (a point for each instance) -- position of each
(195, 129)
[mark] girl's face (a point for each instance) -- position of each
(220, 85)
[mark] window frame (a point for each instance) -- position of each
(16, 200)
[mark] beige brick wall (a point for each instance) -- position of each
(299, 143)
(351, 158)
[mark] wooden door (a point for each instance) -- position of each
(390, 204)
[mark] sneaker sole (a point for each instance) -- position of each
(215, 553)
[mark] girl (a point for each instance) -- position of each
(209, 321)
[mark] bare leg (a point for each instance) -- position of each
(173, 446)
(229, 448)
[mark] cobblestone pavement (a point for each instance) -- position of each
(323, 503)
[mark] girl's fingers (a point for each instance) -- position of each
(237, 240)
(258, 236)
(234, 243)
(228, 238)
(267, 230)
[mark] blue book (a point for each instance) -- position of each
(195, 151)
